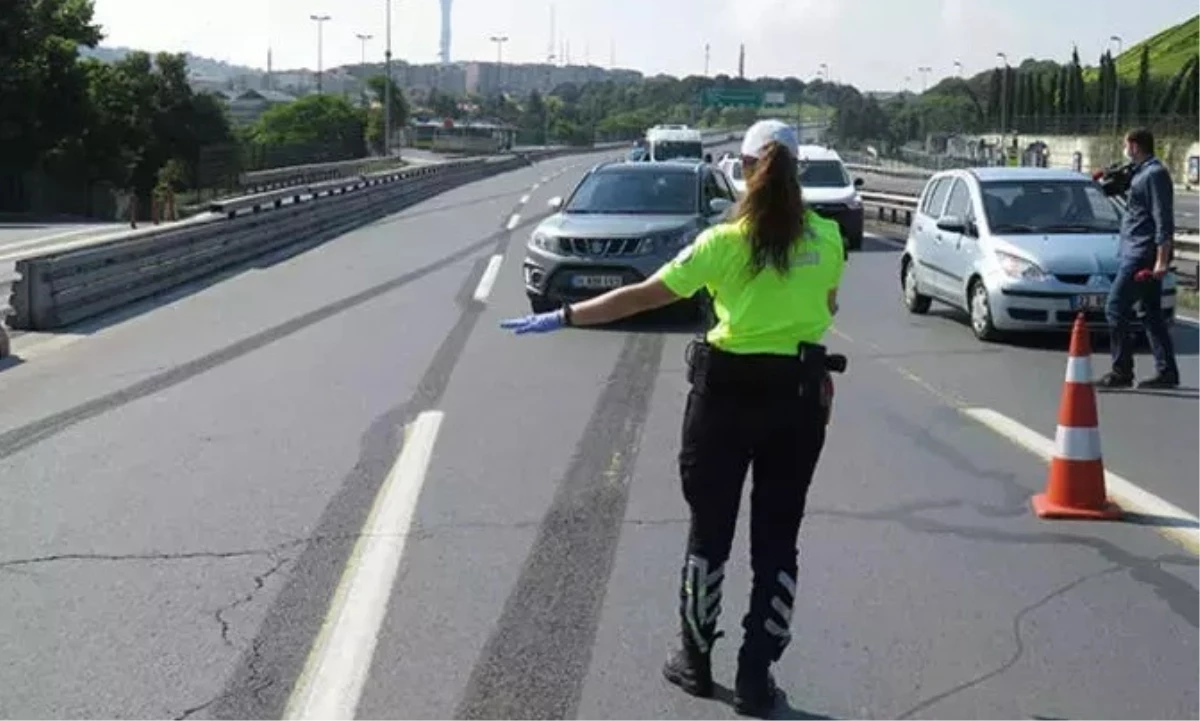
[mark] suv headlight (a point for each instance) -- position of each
(1017, 267)
(675, 241)
(544, 241)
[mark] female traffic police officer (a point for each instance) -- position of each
(760, 397)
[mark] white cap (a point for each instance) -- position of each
(767, 131)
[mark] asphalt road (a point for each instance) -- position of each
(182, 491)
(1187, 203)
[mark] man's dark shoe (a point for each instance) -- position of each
(1161, 381)
(755, 691)
(690, 669)
(1114, 380)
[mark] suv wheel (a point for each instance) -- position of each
(913, 299)
(981, 313)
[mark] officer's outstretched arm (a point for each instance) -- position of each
(623, 302)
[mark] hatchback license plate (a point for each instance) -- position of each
(1092, 301)
(597, 282)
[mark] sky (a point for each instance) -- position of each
(872, 44)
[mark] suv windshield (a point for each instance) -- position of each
(669, 149)
(1054, 206)
(670, 192)
(823, 174)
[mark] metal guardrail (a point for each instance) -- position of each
(260, 181)
(7, 281)
(898, 209)
(60, 288)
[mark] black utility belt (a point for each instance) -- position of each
(710, 367)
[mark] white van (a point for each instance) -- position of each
(664, 143)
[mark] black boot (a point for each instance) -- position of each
(755, 692)
(690, 668)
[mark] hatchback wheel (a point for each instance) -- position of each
(913, 300)
(981, 313)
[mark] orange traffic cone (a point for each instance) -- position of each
(1075, 488)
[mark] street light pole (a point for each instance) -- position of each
(1003, 94)
(320, 21)
(499, 40)
(363, 39)
(924, 70)
(1116, 85)
(387, 86)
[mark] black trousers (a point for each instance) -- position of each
(778, 435)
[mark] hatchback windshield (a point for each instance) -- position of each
(670, 149)
(1056, 206)
(823, 174)
(636, 193)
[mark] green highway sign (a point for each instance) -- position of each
(735, 97)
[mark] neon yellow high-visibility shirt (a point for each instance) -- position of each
(769, 313)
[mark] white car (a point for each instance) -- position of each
(1020, 249)
(825, 186)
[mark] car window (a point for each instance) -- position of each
(735, 170)
(935, 197)
(959, 204)
(636, 192)
(823, 174)
(1048, 207)
(711, 189)
(671, 149)
(726, 189)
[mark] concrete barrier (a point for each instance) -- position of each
(7, 282)
(59, 289)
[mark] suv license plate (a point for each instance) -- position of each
(597, 282)
(1092, 301)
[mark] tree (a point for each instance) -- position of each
(42, 87)
(1141, 98)
(329, 126)
(378, 85)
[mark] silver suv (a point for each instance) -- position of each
(622, 222)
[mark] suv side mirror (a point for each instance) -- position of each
(952, 224)
(859, 182)
(708, 158)
(717, 206)
(555, 203)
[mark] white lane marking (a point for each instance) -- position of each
(514, 221)
(1187, 319)
(45, 346)
(524, 199)
(1128, 495)
(488, 279)
(336, 670)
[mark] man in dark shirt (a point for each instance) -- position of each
(1147, 236)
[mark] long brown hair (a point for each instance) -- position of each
(773, 209)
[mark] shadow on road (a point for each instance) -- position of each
(783, 707)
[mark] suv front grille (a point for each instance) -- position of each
(606, 247)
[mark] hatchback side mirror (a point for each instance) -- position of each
(859, 182)
(952, 224)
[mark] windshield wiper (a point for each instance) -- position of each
(1014, 228)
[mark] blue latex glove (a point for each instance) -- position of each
(540, 323)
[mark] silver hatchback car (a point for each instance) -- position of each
(1020, 249)
(622, 222)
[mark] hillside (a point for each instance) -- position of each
(204, 67)
(1169, 51)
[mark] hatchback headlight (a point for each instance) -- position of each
(544, 241)
(855, 202)
(1017, 267)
